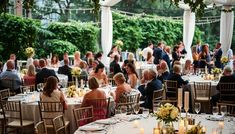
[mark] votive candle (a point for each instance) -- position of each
(180, 92)
(141, 130)
(136, 124)
(186, 101)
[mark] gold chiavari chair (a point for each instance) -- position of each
(83, 115)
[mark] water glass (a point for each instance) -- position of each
(136, 108)
(197, 107)
(215, 110)
(223, 110)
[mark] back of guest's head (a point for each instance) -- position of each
(131, 67)
(227, 70)
(42, 63)
(36, 62)
(177, 69)
(167, 49)
(66, 62)
(152, 74)
(194, 49)
(93, 83)
(31, 70)
(149, 55)
(99, 66)
(88, 54)
(51, 84)
(119, 78)
(131, 56)
(82, 65)
(10, 65)
(163, 65)
(116, 58)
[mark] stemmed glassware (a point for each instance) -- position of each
(215, 110)
(136, 108)
(197, 107)
(223, 110)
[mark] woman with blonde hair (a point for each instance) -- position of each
(122, 86)
(77, 58)
(30, 77)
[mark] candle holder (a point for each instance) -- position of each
(156, 130)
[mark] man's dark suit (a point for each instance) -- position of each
(66, 70)
(155, 84)
(157, 53)
(43, 74)
(115, 67)
(178, 78)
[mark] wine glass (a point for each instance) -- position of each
(215, 110)
(223, 110)
(197, 107)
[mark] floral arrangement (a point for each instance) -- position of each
(119, 43)
(224, 60)
(24, 71)
(76, 71)
(71, 92)
(167, 113)
(29, 51)
(140, 52)
(216, 71)
(197, 129)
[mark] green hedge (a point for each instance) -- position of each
(136, 32)
(83, 36)
(16, 34)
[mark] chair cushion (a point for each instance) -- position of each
(16, 123)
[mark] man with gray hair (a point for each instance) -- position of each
(152, 85)
(10, 79)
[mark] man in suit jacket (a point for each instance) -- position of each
(114, 66)
(227, 77)
(152, 85)
(66, 70)
(157, 53)
(176, 76)
(217, 55)
(44, 73)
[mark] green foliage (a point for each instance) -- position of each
(83, 36)
(16, 34)
(137, 32)
(58, 47)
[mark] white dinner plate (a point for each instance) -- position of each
(215, 118)
(106, 121)
(91, 128)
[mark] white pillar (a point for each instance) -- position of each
(188, 31)
(226, 28)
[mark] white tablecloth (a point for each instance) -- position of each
(124, 127)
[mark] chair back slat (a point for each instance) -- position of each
(230, 108)
(59, 125)
(83, 115)
(40, 128)
(4, 94)
(171, 88)
(202, 89)
(31, 88)
(157, 97)
(227, 92)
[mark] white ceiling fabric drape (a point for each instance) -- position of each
(188, 28)
(188, 32)
(226, 29)
(107, 28)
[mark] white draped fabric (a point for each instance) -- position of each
(226, 29)
(188, 32)
(107, 28)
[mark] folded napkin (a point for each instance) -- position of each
(128, 117)
(106, 121)
(215, 117)
(91, 128)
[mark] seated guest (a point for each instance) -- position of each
(84, 73)
(100, 75)
(187, 67)
(163, 71)
(144, 81)
(65, 57)
(176, 76)
(29, 78)
(227, 77)
(152, 85)
(132, 75)
(175, 54)
(36, 65)
(55, 61)
(98, 57)
(66, 70)
(95, 92)
(131, 60)
(77, 58)
(150, 58)
(88, 56)
(51, 93)
(114, 66)
(122, 86)
(44, 73)
(10, 79)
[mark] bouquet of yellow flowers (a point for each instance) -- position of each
(29, 51)
(197, 129)
(216, 71)
(76, 71)
(167, 113)
(71, 92)
(24, 71)
(224, 60)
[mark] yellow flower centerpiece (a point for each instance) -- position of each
(76, 72)
(216, 72)
(167, 113)
(71, 91)
(224, 60)
(197, 129)
(29, 51)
